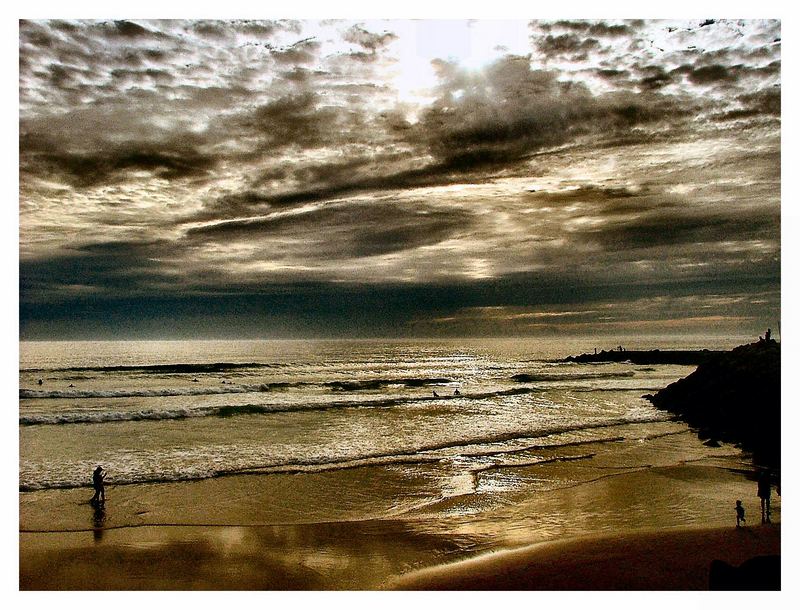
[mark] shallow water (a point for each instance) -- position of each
(153, 412)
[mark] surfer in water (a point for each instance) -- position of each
(99, 489)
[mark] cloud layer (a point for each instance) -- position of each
(318, 162)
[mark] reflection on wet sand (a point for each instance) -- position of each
(319, 556)
(98, 520)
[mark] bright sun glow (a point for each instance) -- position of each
(471, 45)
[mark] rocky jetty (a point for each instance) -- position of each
(733, 397)
(653, 356)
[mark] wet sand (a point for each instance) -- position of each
(643, 528)
(298, 558)
(643, 561)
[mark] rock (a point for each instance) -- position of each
(762, 573)
(733, 397)
(654, 356)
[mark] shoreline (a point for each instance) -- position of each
(180, 536)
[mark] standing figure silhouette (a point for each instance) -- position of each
(765, 493)
(97, 482)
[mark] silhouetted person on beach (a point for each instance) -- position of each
(765, 493)
(739, 513)
(99, 489)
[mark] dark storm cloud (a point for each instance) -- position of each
(661, 309)
(656, 78)
(263, 29)
(709, 74)
(141, 77)
(36, 36)
(129, 29)
(613, 74)
(469, 132)
(566, 44)
(672, 226)
(130, 268)
(299, 120)
(302, 52)
(766, 103)
(334, 183)
(348, 231)
(214, 29)
(597, 28)
(189, 51)
(591, 193)
(476, 131)
(103, 268)
(173, 160)
(368, 40)
(301, 76)
(326, 310)
(527, 111)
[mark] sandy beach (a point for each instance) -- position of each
(677, 559)
(229, 533)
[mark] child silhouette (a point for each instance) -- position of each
(739, 513)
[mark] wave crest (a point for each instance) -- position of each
(157, 392)
(99, 417)
(531, 377)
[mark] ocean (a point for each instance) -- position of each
(441, 419)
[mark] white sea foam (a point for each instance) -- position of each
(72, 393)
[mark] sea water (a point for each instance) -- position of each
(465, 413)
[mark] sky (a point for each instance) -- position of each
(346, 178)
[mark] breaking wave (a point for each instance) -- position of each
(167, 369)
(531, 377)
(230, 388)
(99, 417)
(73, 393)
(376, 384)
